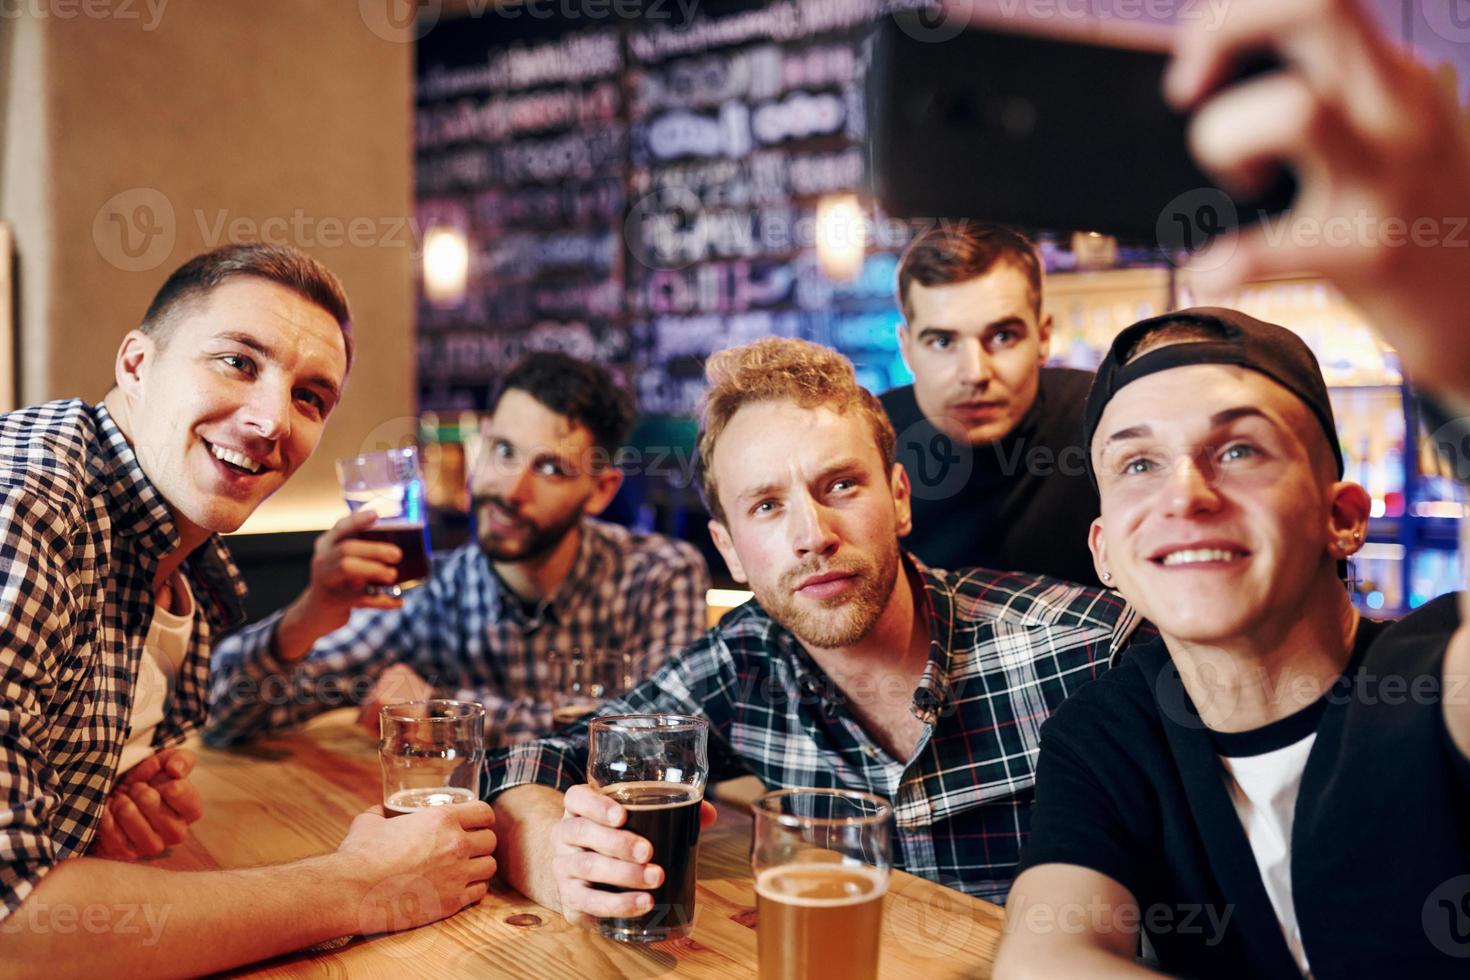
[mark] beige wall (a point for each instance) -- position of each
(133, 149)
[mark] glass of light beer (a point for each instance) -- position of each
(431, 753)
(655, 767)
(391, 485)
(821, 859)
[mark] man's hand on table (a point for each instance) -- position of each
(590, 849)
(395, 685)
(149, 809)
(419, 867)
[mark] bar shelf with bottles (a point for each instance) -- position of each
(1412, 551)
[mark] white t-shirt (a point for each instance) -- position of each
(163, 654)
(1264, 789)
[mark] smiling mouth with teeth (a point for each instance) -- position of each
(1195, 556)
(238, 460)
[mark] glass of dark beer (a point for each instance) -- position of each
(821, 859)
(391, 484)
(655, 767)
(431, 753)
(581, 680)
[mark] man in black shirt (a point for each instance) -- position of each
(988, 436)
(1238, 788)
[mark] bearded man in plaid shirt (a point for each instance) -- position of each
(544, 577)
(113, 580)
(854, 666)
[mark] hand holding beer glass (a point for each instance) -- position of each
(431, 753)
(655, 767)
(821, 859)
(391, 485)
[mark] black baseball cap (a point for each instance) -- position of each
(1236, 339)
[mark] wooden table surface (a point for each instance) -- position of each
(288, 798)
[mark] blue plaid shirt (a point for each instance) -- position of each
(469, 637)
(81, 532)
(1005, 650)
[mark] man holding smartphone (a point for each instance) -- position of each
(989, 436)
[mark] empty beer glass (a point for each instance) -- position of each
(581, 680)
(821, 860)
(431, 753)
(391, 485)
(655, 767)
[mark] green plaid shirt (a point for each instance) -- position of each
(1005, 650)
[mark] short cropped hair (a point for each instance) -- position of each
(954, 252)
(1170, 332)
(780, 369)
(581, 391)
(280, 264)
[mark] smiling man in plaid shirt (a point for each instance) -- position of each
(855, 666)
(112, 582)
(544, 577)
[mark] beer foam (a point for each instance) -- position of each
(784, 883)
(423, 798)
(688, 794)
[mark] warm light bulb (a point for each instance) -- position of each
(446, 265)
(841, 237)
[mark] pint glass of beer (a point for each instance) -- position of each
(431, 753)
(655, 767)
(392, 485)
(581, 680)
(821, 860)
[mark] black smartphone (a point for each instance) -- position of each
(1042, 133)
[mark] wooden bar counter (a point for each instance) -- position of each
(287, 798)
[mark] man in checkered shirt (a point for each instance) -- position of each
(113, 580)
(855, 666)
(544, 578)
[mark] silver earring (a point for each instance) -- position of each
(1106, 576)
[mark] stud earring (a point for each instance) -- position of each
(1106, 576)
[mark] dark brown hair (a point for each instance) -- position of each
(581, 391)
(280, 264)
(958, 251)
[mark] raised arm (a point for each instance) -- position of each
(316, 654)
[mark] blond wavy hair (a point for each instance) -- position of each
(781, 369)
